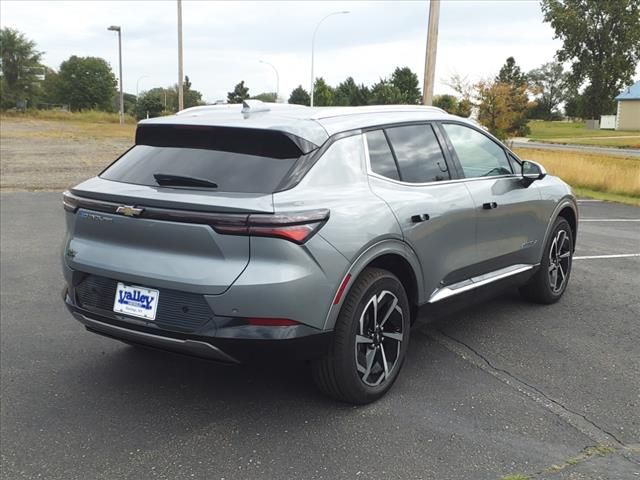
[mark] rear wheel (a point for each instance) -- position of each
(550, 281)
(370, 340)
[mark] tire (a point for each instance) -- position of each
(542, 288)
(363, 362)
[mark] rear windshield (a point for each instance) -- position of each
(237, 161)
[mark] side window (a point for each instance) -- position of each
(418, 153)
(479, 156)
(380, 155)
(515, 164)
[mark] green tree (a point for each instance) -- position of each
(518, 100)
(601, 39)
(20, 65)
(407, 84)
(385, 93)
(549, 84)
(86, 83)
(323, 93)
(266, 97)
(464, 108)
(348, 93)
(511, 74)
(448, 103)
(150, 103)
(239, 93)
(191, 97)
(299, 96)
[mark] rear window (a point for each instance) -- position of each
(237, 160)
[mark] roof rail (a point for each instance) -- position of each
(326, 112)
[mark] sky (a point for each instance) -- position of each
(223, 42)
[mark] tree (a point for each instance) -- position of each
(20, 65)
(239, 93)
(448, 103)
(464, 108)
(385, 93)
(499, 111)
(407, 84)
(349, 93)
(266, 97)
(299, 96)
(601, 39)
(511, 74)
(549, 84)
(150, 103)
(86, 83)
(323, 93)
(190, 97)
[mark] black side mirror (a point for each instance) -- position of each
(532, 171)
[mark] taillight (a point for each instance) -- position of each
(69, 201)
(295, 227)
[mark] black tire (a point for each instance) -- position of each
(337, 373)
(540, 288)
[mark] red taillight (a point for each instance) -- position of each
(271, 322)
(295, 227)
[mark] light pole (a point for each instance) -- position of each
(180, 68)
(137, 84)
(313, 45)
(430, 60)
(117, 28)
(277, 77)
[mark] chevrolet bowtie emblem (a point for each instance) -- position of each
(129, 211)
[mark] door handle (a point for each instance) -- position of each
(423, 217)
(489, 205)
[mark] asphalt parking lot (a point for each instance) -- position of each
(500, 388)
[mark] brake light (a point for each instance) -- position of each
(295, 227)
(69, 201)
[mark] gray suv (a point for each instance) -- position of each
(246, 232)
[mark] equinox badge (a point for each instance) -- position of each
(129, 210)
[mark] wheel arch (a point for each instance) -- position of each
(392, 255)
(566, 208)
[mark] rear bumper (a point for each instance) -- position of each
(253, 346)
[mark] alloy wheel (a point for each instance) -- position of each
(559, 261)
(379, 338)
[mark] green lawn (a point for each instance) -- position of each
(577, 133)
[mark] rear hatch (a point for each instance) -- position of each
(147, 218)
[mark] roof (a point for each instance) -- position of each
(630, 93)
(314, 124)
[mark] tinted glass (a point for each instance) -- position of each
(479, 156)
(233, 172)
(380, 155)
(418, 153)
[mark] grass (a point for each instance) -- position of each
(610, 178)
(517, 476)
(577, 133)
(75, 127)
(88, 116)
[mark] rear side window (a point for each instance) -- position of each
(380, 155)
(479, 156)
(418, 153)
(238, 161)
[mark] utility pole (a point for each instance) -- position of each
(116, 28)
(180, 68)
(430, 59)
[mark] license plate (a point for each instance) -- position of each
(136, 301)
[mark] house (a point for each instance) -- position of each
(628, 117)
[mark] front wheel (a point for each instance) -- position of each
(550, 281)
(370, 340)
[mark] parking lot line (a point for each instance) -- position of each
(610, 219)
(619, 255)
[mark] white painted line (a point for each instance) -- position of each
(621, 255)
(609, 220)
(590, 201)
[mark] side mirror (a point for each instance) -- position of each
(532, 171)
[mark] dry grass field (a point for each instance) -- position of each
(586, 172)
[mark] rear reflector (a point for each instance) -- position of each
(343, 285)
(271, 322)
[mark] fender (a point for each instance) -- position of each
(383, 247)
(565, 201)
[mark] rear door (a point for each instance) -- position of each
(410, 171)
(509, 226)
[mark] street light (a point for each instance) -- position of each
(116, 28)
(277, 77)
(138, 82)
(313, 46)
